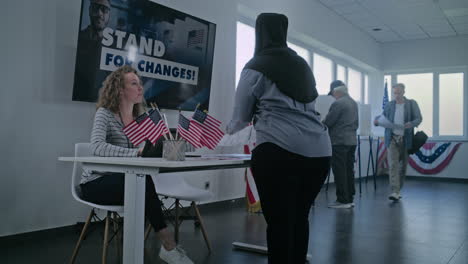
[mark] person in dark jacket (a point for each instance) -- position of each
(342, 121)
(88, 80)
(292, 155)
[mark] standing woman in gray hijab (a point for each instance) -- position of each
(292, 155)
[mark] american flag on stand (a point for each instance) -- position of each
(385, 97)
(195, 37)
(136, 130)
(189, 132)
(382, 162)
(212, 134)
(251, 192)
(158, 126)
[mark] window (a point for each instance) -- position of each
(441, 98)
(354, 84)
(304, 53)
(420, 88)
(323, 67)
(245, 47)
(366, 89)
(451, 96)
(341, 73)
(322, 73)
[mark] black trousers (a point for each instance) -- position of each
(109, 190)
(342, 163)
(287, 184)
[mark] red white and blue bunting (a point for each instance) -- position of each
(432, 158)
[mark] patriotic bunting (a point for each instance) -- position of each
(432, 158)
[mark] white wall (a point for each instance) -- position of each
(425, 54)
(40, 122)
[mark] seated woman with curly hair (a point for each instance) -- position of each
(121, 102)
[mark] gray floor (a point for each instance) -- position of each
(429, 226)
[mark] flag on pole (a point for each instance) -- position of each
(385, 96)
(158, 126)
(211, 133)
(382, 162)
(251, 193)
(137, 129)
(192, 134)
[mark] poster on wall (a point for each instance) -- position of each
(171, 50)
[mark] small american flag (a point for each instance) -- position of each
(385, 97)
(159, 128)
(195, 37)
(136, 130)
(212, 134)
(190, 133)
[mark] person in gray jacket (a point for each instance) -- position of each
(342, 121)
(292, 154)
(405, 115)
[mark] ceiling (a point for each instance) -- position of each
(400, 20)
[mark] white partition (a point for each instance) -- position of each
(322, 105)
(364, 120)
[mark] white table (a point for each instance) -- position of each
(135, 170)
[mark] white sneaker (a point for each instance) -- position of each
(339, 205)
(394, 197)
(175, 256)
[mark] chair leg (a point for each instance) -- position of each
(117, 237)
(106, 237)
(176, 221)
(202, 225)
(83, 232)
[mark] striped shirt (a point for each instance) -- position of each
(108, 140)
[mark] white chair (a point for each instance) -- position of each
(82, 150)
(174, 185)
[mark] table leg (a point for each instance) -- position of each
(134, 218)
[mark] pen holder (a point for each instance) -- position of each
(174, 150)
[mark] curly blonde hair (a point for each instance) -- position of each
(109, 94)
